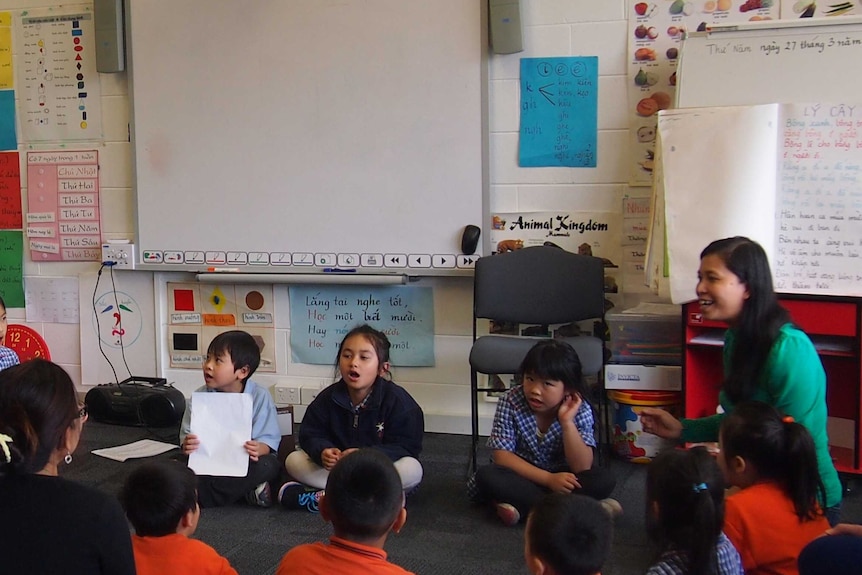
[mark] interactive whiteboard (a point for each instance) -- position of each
(306, 135)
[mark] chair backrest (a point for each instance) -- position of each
(538, 285)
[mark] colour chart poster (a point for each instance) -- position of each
(199, 312)
(58, 86)
(320, 317)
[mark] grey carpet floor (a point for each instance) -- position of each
(444, 534)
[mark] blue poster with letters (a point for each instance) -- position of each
(320, 317)
(558, 112)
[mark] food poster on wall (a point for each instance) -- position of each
(589, 233)
(791, 9)
(198, 313)
(655, 34)
(320, 317)
(559, 119)
(63, 206)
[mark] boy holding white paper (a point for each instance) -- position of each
(232, 357)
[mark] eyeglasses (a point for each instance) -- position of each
(82, 412)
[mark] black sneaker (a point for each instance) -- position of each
(294, 495)
(260, 496)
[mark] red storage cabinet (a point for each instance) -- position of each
(832, 323)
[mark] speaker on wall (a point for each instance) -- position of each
(506, 33)
(110, 38)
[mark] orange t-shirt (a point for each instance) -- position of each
(339, 556)
(762, 524)
(177, 554)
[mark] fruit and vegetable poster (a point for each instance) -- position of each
(655, 32)
(791, 9)
(558, 112)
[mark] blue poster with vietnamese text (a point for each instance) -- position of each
(558, 112)
(320, 317)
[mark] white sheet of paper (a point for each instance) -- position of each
(142, 448)
(222, 422)
(718, 169)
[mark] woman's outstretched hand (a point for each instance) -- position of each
(660, 422)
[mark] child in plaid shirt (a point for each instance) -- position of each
(542, 438)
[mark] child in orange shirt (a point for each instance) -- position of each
(161, 502)
(776, 512)
(365, 502)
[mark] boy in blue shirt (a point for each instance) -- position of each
(232, 357)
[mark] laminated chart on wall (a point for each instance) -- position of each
(588, 233)
(559, 119)
(58, 86)
(197, 313)
(320, 317)
(11, 268)
(63, 221)
(8, 137)
(10, 191)
(6, 70)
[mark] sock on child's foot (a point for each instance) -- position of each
(294, 495)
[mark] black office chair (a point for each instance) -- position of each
(539, 285)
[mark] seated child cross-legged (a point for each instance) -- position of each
(542, 438)
(232, 358)
(685, 514)
(775, 513)
(160, 499)
(361, 409)
(364, 502)
(567, 535)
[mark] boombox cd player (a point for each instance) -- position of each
(136, 401)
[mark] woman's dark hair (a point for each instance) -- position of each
(688, 489)
(554, 359)
(38, 403)
(761, 317)
(780, 450)
(376, 338)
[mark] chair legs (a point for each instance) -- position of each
(474, 419)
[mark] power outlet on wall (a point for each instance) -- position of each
(122, 254)
(285, 395)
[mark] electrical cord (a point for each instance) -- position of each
(120, 325)
(98, 327)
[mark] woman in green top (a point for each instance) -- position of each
(766, 357)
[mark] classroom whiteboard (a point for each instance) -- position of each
(802, 60)
(291, 136)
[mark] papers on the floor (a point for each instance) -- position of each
(142, 448)
(222, 422)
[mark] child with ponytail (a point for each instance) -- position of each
(775, 513)
(685, 514)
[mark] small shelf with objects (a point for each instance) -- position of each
(834, 325)
(643, 371)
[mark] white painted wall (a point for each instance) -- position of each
(551, 28)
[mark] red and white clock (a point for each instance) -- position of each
(26, 342)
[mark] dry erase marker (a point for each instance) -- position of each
(222, 269)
